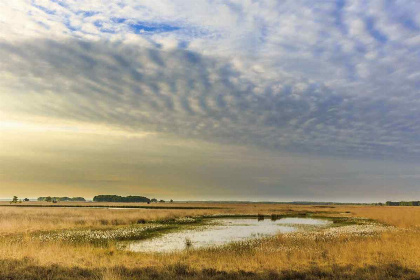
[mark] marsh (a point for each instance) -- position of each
(219, 232)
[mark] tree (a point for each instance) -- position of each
(117, 198)
(153, 200)
(14, 199)
(26, 199)
(78, 199)
(162, 201)
(48, 199)
(171, 201)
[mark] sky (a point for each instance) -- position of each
(211, 100)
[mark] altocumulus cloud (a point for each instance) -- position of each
(336, 78)
(188, 94)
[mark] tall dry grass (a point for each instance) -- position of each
(399, 216)
(275, 255)
(27, 219)
(397, 250)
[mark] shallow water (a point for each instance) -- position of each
(221, 232)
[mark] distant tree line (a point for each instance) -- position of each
(402, 203)
(130, 198)
(98, 198)
(63, 198)
(117, 198)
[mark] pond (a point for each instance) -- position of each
(223, 231)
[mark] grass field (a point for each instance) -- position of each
(344, 251)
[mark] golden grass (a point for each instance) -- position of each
(399, 248)
(24, 220)
(400, 216)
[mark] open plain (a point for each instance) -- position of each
(67, 242)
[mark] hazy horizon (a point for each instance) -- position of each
(211, 100)
(90, 199)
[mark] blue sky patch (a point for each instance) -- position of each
(118, 20)
(87, 13)
(145, 27)
(42, 8)
(374, 32)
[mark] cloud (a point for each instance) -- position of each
(284, 98)
(53, 159)
(334, 77)
(184, 93)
